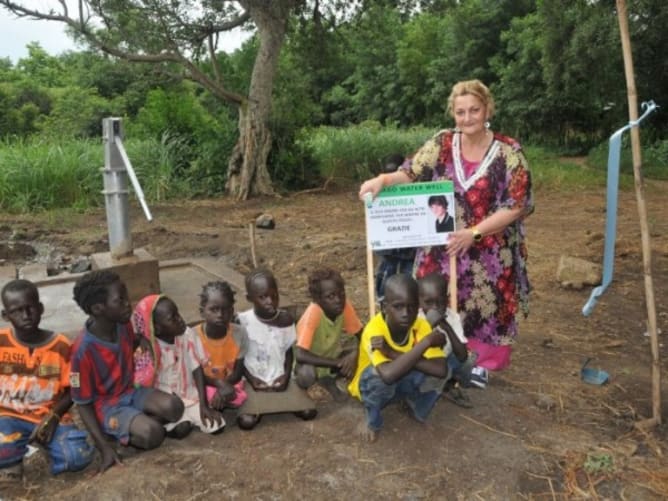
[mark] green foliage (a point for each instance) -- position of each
(43, 69)
(354, 152)
(550, 171)
(156, 164)
(654, 158)
(555, 69)
(199, 142)
(560, 71)
(76, 112)
(37, 174)
(22, 104)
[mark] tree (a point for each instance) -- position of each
(185, 34)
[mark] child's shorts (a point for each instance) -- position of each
(69, 449)
(117, 417)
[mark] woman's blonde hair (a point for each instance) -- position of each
(475, 88)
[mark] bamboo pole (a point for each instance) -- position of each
(622, 16)
(371, 290)
(370, 282)
(251, 236)
(452, 288)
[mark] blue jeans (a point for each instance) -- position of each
(375, 395)
(68, 450)
(118, 416)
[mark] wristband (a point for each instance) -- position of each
(477, 236)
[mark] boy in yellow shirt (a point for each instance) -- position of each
(400, 358)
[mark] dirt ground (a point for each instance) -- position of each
(536, 432)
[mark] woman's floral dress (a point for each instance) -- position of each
(492, 282)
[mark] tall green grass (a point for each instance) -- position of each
(355, 152)
(37, 174)
(654, 158)
(554, 172)
(41, 174)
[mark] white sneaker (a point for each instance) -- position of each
(479, 377)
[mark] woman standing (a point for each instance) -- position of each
(492, 187)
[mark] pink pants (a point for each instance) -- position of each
(493, 358)
(240, 395)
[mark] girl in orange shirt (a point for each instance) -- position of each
(225, 342)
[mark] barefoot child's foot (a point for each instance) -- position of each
(366, 434)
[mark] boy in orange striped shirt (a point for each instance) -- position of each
(34, 388)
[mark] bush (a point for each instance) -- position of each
(356, 152)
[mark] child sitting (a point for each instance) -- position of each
(322, 349)
(102, 370)
(226, 343)
(268, 361)
(34, 388)
(400, 358)
(177, 356)
(433, 291)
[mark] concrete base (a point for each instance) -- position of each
(140, 271)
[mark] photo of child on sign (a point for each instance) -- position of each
(411, 215)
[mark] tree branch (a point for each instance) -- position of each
(82, 27)
(214, 60)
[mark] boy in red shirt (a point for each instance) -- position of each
(103, 369)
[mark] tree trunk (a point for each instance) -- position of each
(247, 167)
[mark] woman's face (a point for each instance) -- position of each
(470, 114)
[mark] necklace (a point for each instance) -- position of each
(271, 319)
(482, 168)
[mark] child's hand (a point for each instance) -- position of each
(348, 364)
(144, 346)
(436, 338)
(209, 415)
(257, 384)
(379, 343)
(280, 383)
(43, 432)
(224, 394)
(109, 459)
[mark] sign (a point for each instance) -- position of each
(411, 215)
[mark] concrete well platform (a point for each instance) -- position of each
(180, 279)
